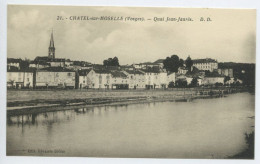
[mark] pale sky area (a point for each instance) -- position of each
(229, 37)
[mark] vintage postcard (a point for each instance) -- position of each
(131, 82)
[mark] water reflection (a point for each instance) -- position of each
(157, 129)
(50, 118)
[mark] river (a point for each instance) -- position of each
(202, 128)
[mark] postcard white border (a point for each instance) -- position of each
(253, 4)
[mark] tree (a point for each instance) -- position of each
(171, 84)
(115, 61)
(188, 63)
(111, 62)
(172, 63)
(24, 64)
(194, 82)
(181, 62)
(181, 83)
(227, 78)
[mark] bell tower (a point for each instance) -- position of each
(51, 48)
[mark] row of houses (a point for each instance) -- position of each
(60, 77)
(124, 79)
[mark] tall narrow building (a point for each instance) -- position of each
(51, 48)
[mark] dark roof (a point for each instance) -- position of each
(126, 66)
(39, 62)
(57, 60)
(118, 74)
(84, 72)
(169, 73)
(13, 60)
(47, 59)
(55, 69)
(15, 69)
(134, 72)
(81, 63)
(207, 60)
(42, 58)
(159, 61)
(213, 74)
(151, 70)
(149, 63)
(102, 71)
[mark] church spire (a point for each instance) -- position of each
(51, 47)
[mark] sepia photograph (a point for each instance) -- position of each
(130, 82)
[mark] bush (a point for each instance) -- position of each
(181, 83)
(171, 84)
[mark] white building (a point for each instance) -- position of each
(226, 72)
(19, 79)
(99, 79)
(163, 79)
(136, 79)
(205, 64)
(38, 65)
(147, 65)
(182, 70)
(171, 77)
(83, 80)
(54, 77)
(155, 79)
(57, 62)
(119, 80)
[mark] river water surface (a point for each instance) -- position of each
(203, 128)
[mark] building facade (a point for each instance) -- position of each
(119, 80)
(99, 79)
(83, 80)
(205, 64)
(226, 72)
(212, 80)
(54, 78)
(136, 79)
(20, 79)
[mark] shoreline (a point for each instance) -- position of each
(16, 108)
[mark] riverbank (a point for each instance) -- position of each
(26, 102)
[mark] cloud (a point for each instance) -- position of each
(230, 37)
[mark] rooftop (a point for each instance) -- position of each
(102, 71)
(55, 69)
(207, 60)
(151, 70)
(118, 74)
(84, 72)
(13, 60)
(134, 72)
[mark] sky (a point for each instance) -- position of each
(229, 37)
